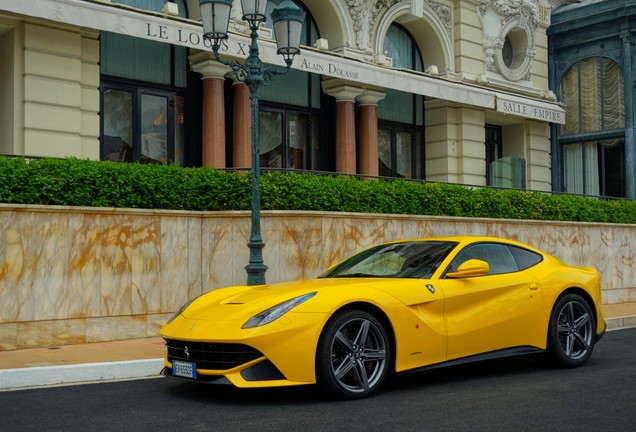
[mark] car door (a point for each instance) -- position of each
(493, 311)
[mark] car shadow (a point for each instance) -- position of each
(450, 376)
(437, 379)
(228, 394)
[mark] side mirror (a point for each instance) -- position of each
(469, 268)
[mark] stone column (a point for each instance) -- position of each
(242, 126)
(345, 94)
(213, 72)
(369, 164)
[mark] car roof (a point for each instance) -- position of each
(468, 239)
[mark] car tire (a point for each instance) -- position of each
(353, 355)
(572, 332)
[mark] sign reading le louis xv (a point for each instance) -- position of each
(241, 49)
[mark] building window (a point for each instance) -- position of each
(401, 115)
(593, 137)
(290, 111)
(143, 96)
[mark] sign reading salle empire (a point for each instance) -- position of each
(530, 111)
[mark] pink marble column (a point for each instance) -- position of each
(346, 137)
(213, 133)
(213, 145)
(369, 164)
(345, 94)
(242, 126)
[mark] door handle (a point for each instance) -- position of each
(534, 286)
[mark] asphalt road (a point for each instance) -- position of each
(506, 395)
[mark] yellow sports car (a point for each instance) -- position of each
(396, 307)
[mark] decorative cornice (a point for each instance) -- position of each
(526, 10)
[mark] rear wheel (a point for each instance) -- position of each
(572, 331)
(353, 355)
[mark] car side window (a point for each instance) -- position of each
(525, 258)
(498, 257)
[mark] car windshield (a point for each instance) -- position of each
(414, 260)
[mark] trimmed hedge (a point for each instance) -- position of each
(73, 182)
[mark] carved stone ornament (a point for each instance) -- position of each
(364, 14)
(509, 9)
(444, 14)
(509, 45)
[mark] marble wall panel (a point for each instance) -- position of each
(11, 264)
(626, 251)
(155, 322)
(8, 336)
(173, 265)
(44, 292)
(116, 328)
(238, 253)
(84, 266)
(195, 269)
(146, 266)
(207, 249)
(116, 265)
(273, 235)
(224, 251)
(341, 239)
(32, 334)
(71, 275)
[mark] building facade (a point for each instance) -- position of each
(449, 91)
(592, 72)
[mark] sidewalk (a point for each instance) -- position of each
(138, 358)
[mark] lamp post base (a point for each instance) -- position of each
(256, 268)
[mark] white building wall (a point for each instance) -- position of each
(61, 102)
(10, 87)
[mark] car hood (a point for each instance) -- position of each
(243, 301)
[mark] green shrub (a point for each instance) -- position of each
(73, 182)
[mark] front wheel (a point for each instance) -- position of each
(572, 331)
(353, 355)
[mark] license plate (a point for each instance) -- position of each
(184, 369)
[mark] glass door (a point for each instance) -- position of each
(287, 140)
(141, 125)
(297, 156)
(154, 129)
(400, 153)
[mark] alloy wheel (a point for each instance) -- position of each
(574, 327)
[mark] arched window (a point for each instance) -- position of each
(289, 119)
(593, 137)
(142, 86)
(401, 115)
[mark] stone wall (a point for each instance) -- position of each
(76, 275)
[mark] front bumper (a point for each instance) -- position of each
(223, 363)
(281, 353)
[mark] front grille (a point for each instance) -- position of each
(211, 355)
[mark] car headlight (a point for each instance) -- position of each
(273, 313)
(184, 307)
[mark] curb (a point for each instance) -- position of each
(621, 322)
(23, 378)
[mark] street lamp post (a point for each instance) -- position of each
(288, 21)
